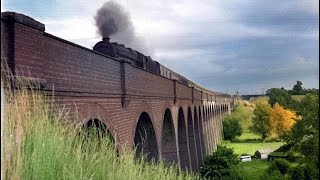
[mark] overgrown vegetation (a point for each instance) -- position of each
(39, 144)
(222, 164)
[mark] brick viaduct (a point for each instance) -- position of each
(180, 123)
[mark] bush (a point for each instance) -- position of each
(304, 172)
(275, 175)
(280, 165)
(231, 127)
(221, 164)
(297, 172)
(311, 172)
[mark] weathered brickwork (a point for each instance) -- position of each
(183, 123)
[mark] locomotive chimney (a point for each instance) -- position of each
(106, 39)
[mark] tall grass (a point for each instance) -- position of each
(39, 144)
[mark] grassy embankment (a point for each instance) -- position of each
(39, 144)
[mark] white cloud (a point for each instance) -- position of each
(71, 28)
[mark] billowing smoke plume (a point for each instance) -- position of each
(112, 21)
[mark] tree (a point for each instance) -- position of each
(280, 96)
(220, 165)
(297, 88)
(304, 135)
(231, 127)
(281, 120)
(261, 120)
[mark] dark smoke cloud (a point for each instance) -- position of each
(114, 22)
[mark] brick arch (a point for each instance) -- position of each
(191, 140)
(101, 130)
(168, 138)
(203, 153)
(87, 112)
(142, 107)
(144, 132)
(183, 149)
(197, 135)
(211, 130)
(205, 128)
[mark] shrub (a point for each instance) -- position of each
(311, 172)
(231, 127)
(297, 172)
(280, 165)
(221, 164)
(304, 172)
(274, 175)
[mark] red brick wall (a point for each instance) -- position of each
(89, 85)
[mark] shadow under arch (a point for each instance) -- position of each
(192, 142)
(182, 141)
(197, 133)
(145, 140)
(95, 131)
(201, 134)
(169, 147)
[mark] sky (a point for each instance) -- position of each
(247, 46)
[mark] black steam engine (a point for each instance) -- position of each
(116, 50)
(136, 58)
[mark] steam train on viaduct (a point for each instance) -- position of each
(119, 51)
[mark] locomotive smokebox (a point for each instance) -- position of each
(105, 47)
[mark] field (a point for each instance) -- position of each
(251, 147)
(297, 97)
(253, 170)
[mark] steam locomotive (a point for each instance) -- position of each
(137, 59)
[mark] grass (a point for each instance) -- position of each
(39, 144)
(251, 148)
(254, 169)
(297, 97)
(248, 136)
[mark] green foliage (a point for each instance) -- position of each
(231, 127)
(297, 172)
(311, 172)
(221, 164)
(280, 165)
(297, 88)
(304, 135)
(280, 96)
(261, 120)
(304, 172)
(273, 175)
(243, 114)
